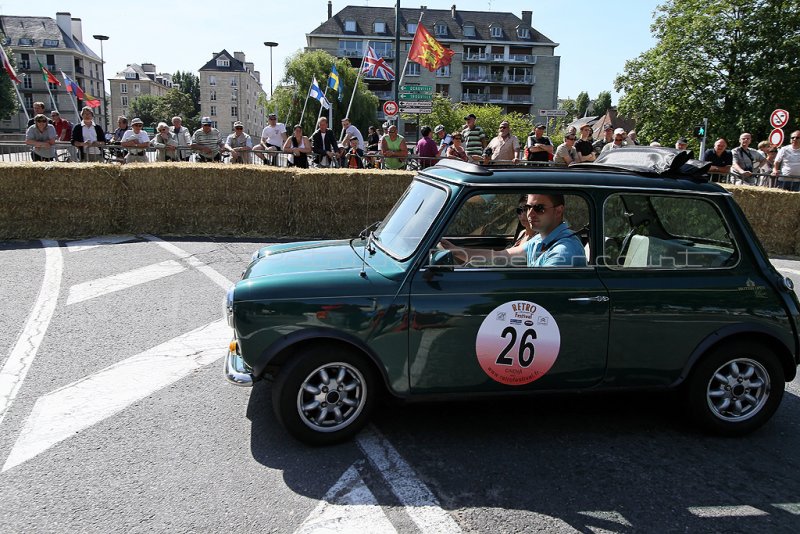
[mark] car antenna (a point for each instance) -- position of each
(363, 273)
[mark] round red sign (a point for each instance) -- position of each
(779, 118)
(390, 108)
(776, 137)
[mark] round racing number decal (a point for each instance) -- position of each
(517, 343)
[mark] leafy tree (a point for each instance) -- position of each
(488, 117)
(8, 97)
(145, 107)
(176, 102)
(731, 61)
(602, 103)
(581, 104)
(189, 83)
(290, 95)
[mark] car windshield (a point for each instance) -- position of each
(403, 229)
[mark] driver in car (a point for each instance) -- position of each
(555, 245)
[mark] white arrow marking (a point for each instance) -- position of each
(86, 244)
(118, 282)
(349, 506)
(21, 358)
(215, 277)
(726, 511)
(77, 406)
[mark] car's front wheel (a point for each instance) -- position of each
(735, 388)
(324, 396)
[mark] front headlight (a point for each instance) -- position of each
(229, 306)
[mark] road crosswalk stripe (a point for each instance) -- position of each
(118, 282)
(94, 242)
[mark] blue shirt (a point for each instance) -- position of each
(559, 249)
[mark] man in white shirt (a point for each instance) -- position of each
(184, 138)
(272, 139)
(351, 131)
(787, 164)
(136, 141)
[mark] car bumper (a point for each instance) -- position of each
(236, 371)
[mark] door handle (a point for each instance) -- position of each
(598, 298)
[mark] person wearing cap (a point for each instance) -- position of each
(505, 147)
(617, 142)
(683, 144)
(88, 137)
(207, 142)
(474, 138)
(238, 144)
(585, 145)
(444, 139)
(566, 154)
(608, 137)
(539, 146)
(273, 137)
(165, 143)
(136, 141)
(183, 136)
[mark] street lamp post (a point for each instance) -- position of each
(102, 38)
(271, 45)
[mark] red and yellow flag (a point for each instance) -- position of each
(429, 52)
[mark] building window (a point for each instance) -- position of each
(223, 62)
(350, 25)
(25, 62)
(51, 62)
(350, 48)
(469, 30)
(123, 88)
(213, 95)
(379, 26)
(412, 69)
(384, 49)
(27, 82)
(29, 101)
(235, 95)
(212, 80)
(443, 89)
(443, 72)
(50, 43)
(234, 111)
(411, 28)
(234, 83)
(523, 33)
(496, 31)
(6, 41)
(213, 110)
(440, 28)
(137, 88)
(26, 42)
(124, 100)
(130, 75)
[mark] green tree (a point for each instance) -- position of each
(602, 103)
(176, 102)
(732, 61)
(290, 95)
(582, 104)
(8, 97)
(189, 83)
(145, 107)
(488, 117)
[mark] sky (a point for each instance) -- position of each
(595, 38)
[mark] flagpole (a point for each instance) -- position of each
(355, 87)
(46, 82)
(291, 105)
(321, 107)
(302, 114)
(74, 102)
(22, 102)
(402, 74)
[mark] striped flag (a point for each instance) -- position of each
(335, 83)
(316, 93)
(7, 66)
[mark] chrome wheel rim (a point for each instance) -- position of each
(738, 390)
(331, 397)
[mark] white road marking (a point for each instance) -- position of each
(118, 282)
(215, 277)
(420, 503)
(610, 516)
(726, 511)
(77, 406)
(791, 507)
(21, 358)
(349, 506)
(793, 388)
(790, 271)
(86, 244)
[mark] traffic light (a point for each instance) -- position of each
(699, 131)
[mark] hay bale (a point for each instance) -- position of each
(774, 215)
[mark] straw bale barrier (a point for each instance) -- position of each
(41, 200)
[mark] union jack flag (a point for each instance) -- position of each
(376, 67)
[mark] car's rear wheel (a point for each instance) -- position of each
(735, 388)
(324, 396)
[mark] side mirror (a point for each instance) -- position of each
(440, 260)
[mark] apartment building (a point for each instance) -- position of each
(230, 91)
(500, 58)
(59, 45)
(134, 81)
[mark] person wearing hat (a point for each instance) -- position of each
(239, 144)
(584, 145)
(207, 142)
(183, 136)
(683, 144)
(618, 142)
(136, 141)
(165, 143)
(608, 137)
(474, 138)
(444, 139)
(539, 147)
(273, 136)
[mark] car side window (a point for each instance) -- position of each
(665, 232)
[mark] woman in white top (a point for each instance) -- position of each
(299, 147)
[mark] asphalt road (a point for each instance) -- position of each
(115, 417)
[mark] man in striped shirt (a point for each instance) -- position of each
(474, 138)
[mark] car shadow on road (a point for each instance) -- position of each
(613, 462)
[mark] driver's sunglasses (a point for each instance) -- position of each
(538, 208)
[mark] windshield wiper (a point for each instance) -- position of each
(363, 234)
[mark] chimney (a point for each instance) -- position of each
(249, 66)
(423, 8)
(527, 17)
(77, 29)
(453, 11)
(239, 56)
(64, 21)
(330, 9)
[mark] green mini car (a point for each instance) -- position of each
(630, 273)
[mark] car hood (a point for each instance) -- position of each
(304, 257)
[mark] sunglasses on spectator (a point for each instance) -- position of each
(795, 137)
(538, 208)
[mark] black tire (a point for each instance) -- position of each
(311, 412)
(735, 388)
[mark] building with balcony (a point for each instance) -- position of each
(500, 58)
(134, 81)
(58, 44)
(230, 91)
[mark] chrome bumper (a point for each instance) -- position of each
(236, 371)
